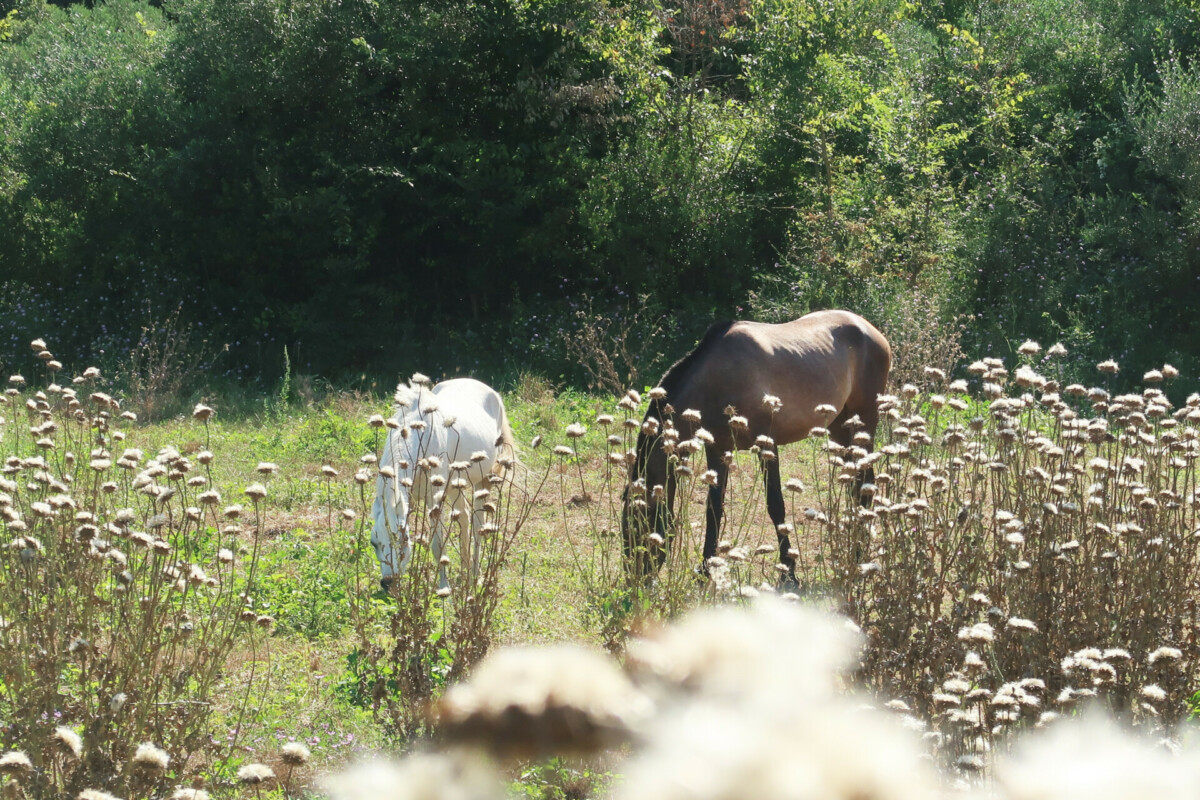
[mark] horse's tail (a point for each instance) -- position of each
(506, 443)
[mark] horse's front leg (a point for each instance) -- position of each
(778, 513)
(715, 507)
(473, 537)
(439, 549)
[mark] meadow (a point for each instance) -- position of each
(192, 605)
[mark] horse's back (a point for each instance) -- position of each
(467, 393)
(477, 406)
(832, 358)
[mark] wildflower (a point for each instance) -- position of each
(979, 632)
(255, 491)
(15, 764)
(530, 701)
(328, 472)
(186, 793)
(730, 652)
(266, 468)
(294, 754)
(1057, 349)
(1108, 367)
(1092, 757)
(563, 450)
(691, 415)
(254, 774)
(604, 420)
(68, 741)
(772, 402)
(150, 759)
(1154, 693)
(575, 430)
(1169, 372)
(1153, 376)
(1164, 654)
(1020, 624)
(418, 777)
(96, 794)
(202, 412)
(1029, 348)
(969, 763)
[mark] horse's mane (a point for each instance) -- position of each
(408, 395)
(672, 382)
(675, 376)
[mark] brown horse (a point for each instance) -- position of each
(830, 359)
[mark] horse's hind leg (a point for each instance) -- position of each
(716, 503)
(439, 547)
(778, 513)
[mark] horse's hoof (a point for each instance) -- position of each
(788, 584)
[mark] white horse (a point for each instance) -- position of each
(446, 443)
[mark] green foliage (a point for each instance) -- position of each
(437, 184)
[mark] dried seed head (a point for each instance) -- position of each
(532, 701)
(68, 741)
(255, 491)
(187, 793)
(254, 774)
(1164, 654)
(418, 777)
(202, 412)
(150, 759)
(295, 754)
(96, 794)
(15, 764)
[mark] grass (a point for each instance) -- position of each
(307, 696)
(1005, 498)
